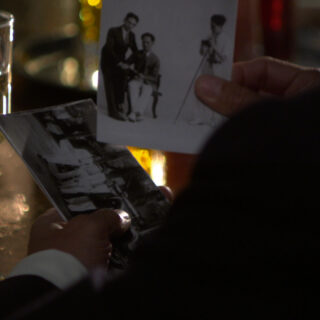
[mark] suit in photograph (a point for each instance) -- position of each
(117, 45)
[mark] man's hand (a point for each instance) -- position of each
(253, 80)
(86, 237)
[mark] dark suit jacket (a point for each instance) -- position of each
(148, 65)
(242, 241)
(115, 48)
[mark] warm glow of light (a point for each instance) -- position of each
(87, 17)
(91, 33)
(90, 19)
(158, 165)
(153, 162)
(143, 156)
(94, 3)
(95, 79)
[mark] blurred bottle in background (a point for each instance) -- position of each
(89, 18)
(89, 14)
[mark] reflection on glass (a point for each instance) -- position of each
(20, 203)
(94, 79)
(70, 73)
(13, 210)
(6, 42)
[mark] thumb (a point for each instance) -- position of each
(113, 222)
(224, 96)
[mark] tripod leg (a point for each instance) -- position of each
(191, 86)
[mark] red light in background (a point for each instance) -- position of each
(277, 15)
(277, 22)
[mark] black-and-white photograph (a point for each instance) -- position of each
(151, 53)
(80, 175)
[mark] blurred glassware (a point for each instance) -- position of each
(307, 33)
(6, 45)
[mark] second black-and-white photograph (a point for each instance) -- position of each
(80, 175)
(151, 53)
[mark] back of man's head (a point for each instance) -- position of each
(218, 19)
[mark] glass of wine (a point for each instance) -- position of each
(6, 42)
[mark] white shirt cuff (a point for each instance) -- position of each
(59, 268)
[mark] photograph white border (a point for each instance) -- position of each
(179, 28)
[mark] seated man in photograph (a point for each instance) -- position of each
(144, 76)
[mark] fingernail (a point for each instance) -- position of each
(209, 87)
(57, 226)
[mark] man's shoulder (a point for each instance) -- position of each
(154, 58)
(114, 30)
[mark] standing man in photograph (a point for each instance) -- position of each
(146, 66)
(118, 43)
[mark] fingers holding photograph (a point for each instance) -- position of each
(151, 54)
